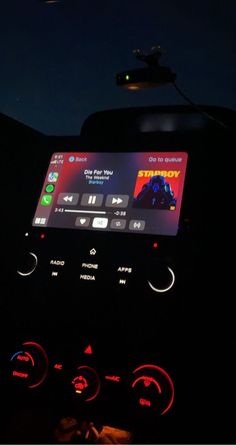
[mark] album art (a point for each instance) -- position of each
(156, 189)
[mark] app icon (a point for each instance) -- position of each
(71, 159)
(46, 200)
(53, 177)
(49, 188)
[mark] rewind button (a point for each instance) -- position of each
(69, 199)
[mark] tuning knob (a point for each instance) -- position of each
(27, 264)
(160, 277)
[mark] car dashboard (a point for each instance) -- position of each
(112, 294)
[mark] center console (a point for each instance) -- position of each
(106, 290)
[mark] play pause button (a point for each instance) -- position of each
(117, 201)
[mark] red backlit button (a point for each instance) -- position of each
(88, 350)
(144, 402)
(58, 366)
(113, 378)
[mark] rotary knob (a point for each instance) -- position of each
(29, 364)
(160, 277)
(27, 264)
(153, 388)
(86, 383)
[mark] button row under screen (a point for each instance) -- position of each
(161, 277)
(116, 223)
(93, 200)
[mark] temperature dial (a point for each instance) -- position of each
(160, 277)
(86, 383)
(153, 388)
(29, 365)
(27, 264)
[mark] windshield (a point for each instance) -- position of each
(59, 59)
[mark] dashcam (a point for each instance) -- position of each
(147, 77)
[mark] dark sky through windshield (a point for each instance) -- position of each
(59, 60)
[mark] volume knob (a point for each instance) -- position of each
(161, 277)
(27, 264)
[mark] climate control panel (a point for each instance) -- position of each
(148, 386)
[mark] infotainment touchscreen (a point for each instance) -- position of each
(120, 192)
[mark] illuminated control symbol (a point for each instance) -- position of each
(70, 199)
(138, 225)
(118, 224)
(40, 221)
(118, 201)
(93, 251)
(86, 383)
(80, 383)
(22, 375)
(57, 263)
(87, 277)
(54, 274)
(91, 200)
(100, 223)
(122, 281)
(88, 350)
(113, 378)
(124, 269)
(58, 366)
(89, 266)
(144, 402)
(82, 221)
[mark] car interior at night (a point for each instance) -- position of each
(117, 317)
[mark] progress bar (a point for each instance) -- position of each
(85, 211)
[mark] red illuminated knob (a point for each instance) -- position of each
(29, 364)
(86, 383)
(27, 265)
(161, 277)
(153, 388)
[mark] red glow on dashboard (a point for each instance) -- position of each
(113, 378)
(144, 402)
(88, 350)
(58, 366)
(42, 236)
(22, 375)
(25, 357)
(96, 381)
(45, 359)
(147, 381)
(166, 375)
(155, 245)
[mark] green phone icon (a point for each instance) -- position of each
(46, 200)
